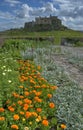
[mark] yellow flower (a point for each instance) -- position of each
(30, 123)
(23, 119)
(26, 128)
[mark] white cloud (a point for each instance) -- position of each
(13, 2)
(6, 15)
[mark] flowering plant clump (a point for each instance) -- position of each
(30, 106)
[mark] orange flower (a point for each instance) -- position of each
(2, 109)
(38, 93)
(10, 108)
(21, 86)
(39, 109)
(45, 122)
(20, 102)
(51, 105)
(26, 93)
(26, 100)
(63, 126)
(49, 95)
(54, 87)
(14, 127)
(25, 107)
(15, 95)
(16, 117)
(21, 112)
(2, 118)
(34, 113)
(38, 67)
(21, 97)
(28, 114)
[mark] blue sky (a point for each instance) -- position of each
(14, 13)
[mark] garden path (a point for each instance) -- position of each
(72, 70)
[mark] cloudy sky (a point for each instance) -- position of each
(14, 13)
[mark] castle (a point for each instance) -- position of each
(44, 24)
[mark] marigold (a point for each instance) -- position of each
(28, 114)
(63, 126)
(21, 112)
(2, 109)
(28, 101)
(26, 93)
(51, 105)
(45, 122)
(10, 108)
(2, 118)
(14, 127)
(16, 117)
(20, 102)
(39, 109)
(25, 107)
(49, 95)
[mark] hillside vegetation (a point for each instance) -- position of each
(56, 34)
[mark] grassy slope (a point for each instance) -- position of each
(56, 34)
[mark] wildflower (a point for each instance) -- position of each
(23, 119)
(14, 127)
(26, 128)
(49, 95)
(21, 112)
(63, 126)
(16, 117)
(1, 109)
(39, 109)
(28, 114)
(51, 105)
(10, 108)
(25, 107)
(26, 93)
(9, 81)
(30, 123)
(4, 73)
(20, 102)
(45, 122)
(2, 118)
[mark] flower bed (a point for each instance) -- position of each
(30, 106)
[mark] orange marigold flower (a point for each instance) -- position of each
(39, 109)
(25, 107)
(28, 114)
(38, 93)
(45, 122)
(38, 67)
(21, 112)
(21, 86)
(14, 127)
(54, 87)
(49, 95)
(28, 101)
(2, 118)
(63, 126)
(2, 109)
(51, 105)
(26, 93)
(20, 102)
(21, 96)
(34, 113)
(16, 117)
(10, 108)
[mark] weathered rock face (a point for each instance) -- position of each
(44, 24)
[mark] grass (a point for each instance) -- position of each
(56, 34)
